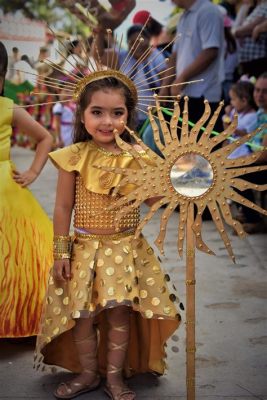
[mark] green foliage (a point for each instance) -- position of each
(48, 11)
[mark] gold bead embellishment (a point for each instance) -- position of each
(59, 291)
(66, 301)
(143, 294)
(118, 259)
(155, 301)
(108, 252)
(110, 271)
(149, 314)
(76, 314)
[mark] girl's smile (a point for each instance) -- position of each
(104, 113)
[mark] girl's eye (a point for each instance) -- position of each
(96, 112)
(119, 113)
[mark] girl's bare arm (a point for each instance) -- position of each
(32, 129)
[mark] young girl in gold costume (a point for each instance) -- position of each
(109, 311)
(26, 231)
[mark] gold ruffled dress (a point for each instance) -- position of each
(108, 271)
(26, 253)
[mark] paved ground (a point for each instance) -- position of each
(231, 322)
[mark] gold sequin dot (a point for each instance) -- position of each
(66, 301)
(86, 255)
(92, 264)
(128, 268)
(149, 314)
(143, 294)
(49, 300)
(56, 310)
(79, 294)
(126, 249)
(76, 314)
(74, 284)
(150, 281)
(82, 274)
(51, 280)
(95, 245)
(48, 321)
(116, 241)
(135, 255)
(156, 269)
(92, 307)
(104, 302)
(64, 320)
(110, 271)
(167, 310)
(119, 279)
(155, 301)
(48, 339)
(56, 331)
(108, 252)
(120, 299)
(150, 251)
(162, 289)
(100, 262)
(78, 265)
(118, 259)
(111, 291)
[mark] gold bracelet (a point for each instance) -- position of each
(62, 238)
(61, 256)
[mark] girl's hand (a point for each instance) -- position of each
(25, 178)
(61, 270)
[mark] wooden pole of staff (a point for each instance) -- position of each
(190, 305)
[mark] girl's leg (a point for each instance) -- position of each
(118, 339)
(84, 335)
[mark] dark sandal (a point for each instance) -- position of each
(69, 389)
(124, 390)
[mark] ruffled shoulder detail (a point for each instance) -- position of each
(83, 157)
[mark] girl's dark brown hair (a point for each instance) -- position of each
(244, 90)
(80, 134)
(3, 65)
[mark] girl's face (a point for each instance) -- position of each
(240, 104)
(103, 114)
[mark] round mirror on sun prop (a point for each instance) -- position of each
(191, 175)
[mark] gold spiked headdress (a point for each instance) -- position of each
(75, 81)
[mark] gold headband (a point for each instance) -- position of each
(109, 73)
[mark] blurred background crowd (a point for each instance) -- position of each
(223, 44)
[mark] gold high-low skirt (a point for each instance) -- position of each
(109, 271)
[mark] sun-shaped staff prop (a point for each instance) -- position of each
(194, 172)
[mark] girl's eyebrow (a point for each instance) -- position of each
(102, 108)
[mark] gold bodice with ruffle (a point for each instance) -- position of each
(93, 192)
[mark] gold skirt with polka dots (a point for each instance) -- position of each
(109, 271)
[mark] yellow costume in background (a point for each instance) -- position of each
(26, 237)
(107, 271)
